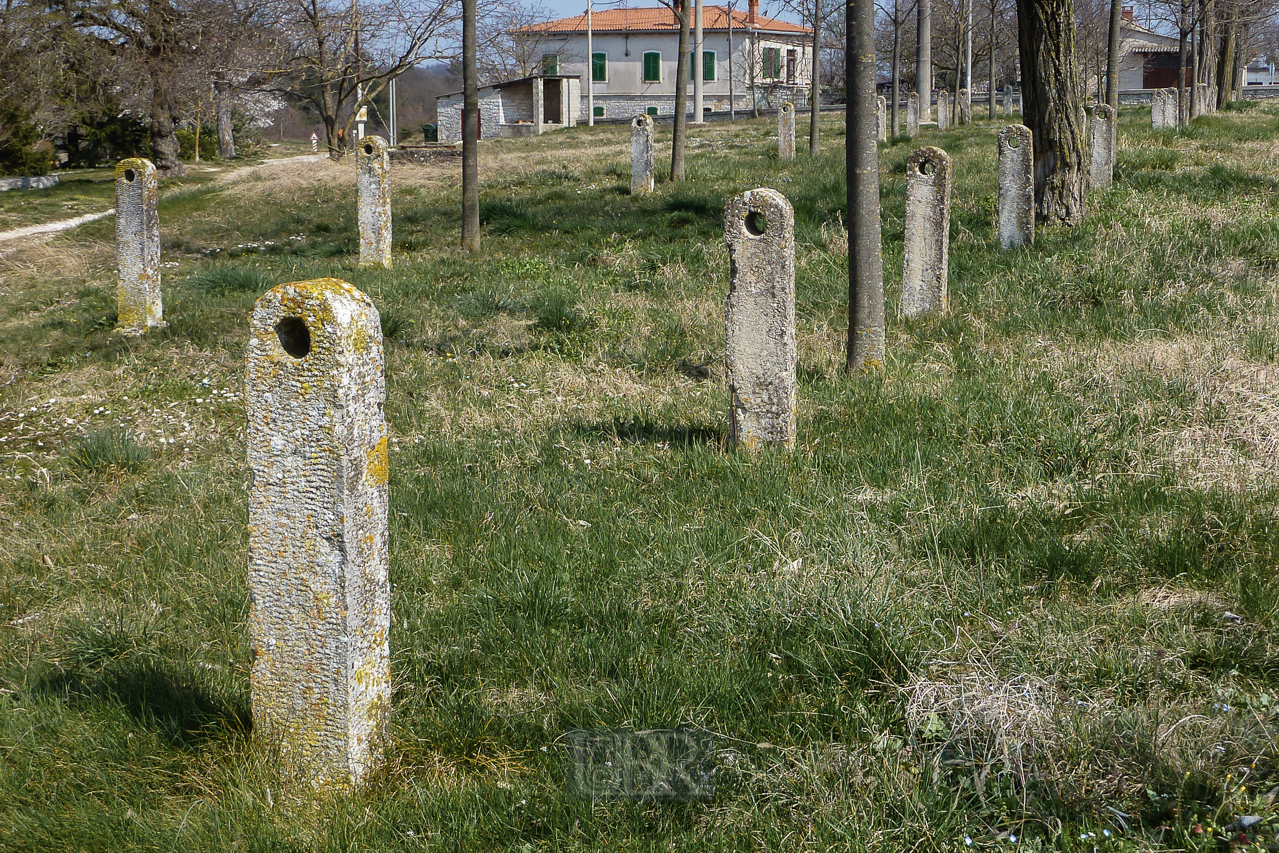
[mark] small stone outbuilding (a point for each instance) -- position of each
(526, 107)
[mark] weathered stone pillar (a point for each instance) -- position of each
(759, 226)
(1158, 109)
(1008, 101)
(319, 599)
(641, 155)
(927, 245)
(943, 110)
(964, 102)
(881, 107)
(137, 248)
(373, 165)
(786, 131)
(539, 105)
(912, 114)
(1102, 161)
(1016, 187)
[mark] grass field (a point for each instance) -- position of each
(1018, 591)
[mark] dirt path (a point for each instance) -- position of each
(65, 224)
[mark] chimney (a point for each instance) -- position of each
(752, 13)
(1128, 14)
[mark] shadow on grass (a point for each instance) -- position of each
(175, 700)
(648, 431)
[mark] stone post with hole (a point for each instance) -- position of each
(881, 113)
(137, 248)
(927, 244)
(319, 599)
(964, 104)
(786, 131)
(1016, 187)
(912, 114)
(762, 356)
(943, 110)
(373, 165)
(1102, 147)
(641, 155)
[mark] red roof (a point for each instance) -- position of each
(659, 19)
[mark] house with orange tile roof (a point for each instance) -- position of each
(747, 59)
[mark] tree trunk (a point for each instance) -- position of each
(924, 57)
(1112, 56)
(164, 141)
(680, 132)
(470, 132)
(865, 352)
(1052, 109)
(226, 138)
(993, 112)
(1225, 65)
(1182, 106)
(897, 65)
(815, 85)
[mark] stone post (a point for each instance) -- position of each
(965, 104)
(319, 599)
(881, 107)
(786, 131)
(1102, 161)
(762, 357)
(641, 155)
(943, 110)
(1158, 109)
(372, 166)
(1008, 101)
(1016, 187)
(927, 244)
(912, 114)
(137, 248)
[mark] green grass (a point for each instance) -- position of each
(1019, 584)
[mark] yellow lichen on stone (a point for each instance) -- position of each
(377, 467)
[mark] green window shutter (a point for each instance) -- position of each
(772, 62)
(691, 59)
(651, 111)
(708, 66)
(599, 67)
(599, 112)
(550, 64)
(652, 67)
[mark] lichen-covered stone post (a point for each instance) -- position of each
(137, 248)
(927, 244)
(759, 226)
(373, 165)
(912, 114)
(943, 110)
(965, 104)
(881, 108)
(1008, 101)
(319, 599)
(1016, 187)
(641, 155)
(786, 131)
(1102, 151)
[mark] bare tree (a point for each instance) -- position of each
(344, 52)
(814, 14)
(680, 132)
(898, 16)
(508, 45)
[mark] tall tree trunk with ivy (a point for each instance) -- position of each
(1052, 107)
(865, 352)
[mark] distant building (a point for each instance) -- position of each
(746, 57)
(1148, 60)
(526, 107)
(1260, 72)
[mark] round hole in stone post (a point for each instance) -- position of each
(373, 164)
(927, 242)
(759, 317)
(641, 155)
(294, 336)
(137, 237)
(319, 596)
(1016, 187)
